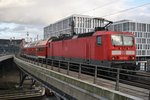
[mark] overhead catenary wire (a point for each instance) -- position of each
(102, 6)
(98, 7)
(115, 13)
(125, 10)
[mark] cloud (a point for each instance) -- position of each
(139, 14)
(45, 12)
(19, 31)
(20, 16)
(19, 28)
(4, 29)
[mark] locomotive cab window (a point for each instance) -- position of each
(122, 40)
(99, 40)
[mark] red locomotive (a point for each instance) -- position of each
(102, 47)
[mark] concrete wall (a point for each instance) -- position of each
(9, 75)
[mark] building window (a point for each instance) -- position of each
(143, 52)
(126, 26)
(149, 28)
(136, 46)
(135, 34)
(137, 52)
(144, 27)
(143, 40)
(139, 34)
(140, 46)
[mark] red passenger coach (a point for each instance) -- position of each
(41, 49)
(29, 50)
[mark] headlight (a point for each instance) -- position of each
(113, 58)
(133, 58)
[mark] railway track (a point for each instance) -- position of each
(143, 73)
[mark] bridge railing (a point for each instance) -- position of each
(2, 55)
(100, 74)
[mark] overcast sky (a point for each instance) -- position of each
(17, 17)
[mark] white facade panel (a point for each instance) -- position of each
(82, 24)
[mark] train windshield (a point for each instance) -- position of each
(128, 40)
(122, 40)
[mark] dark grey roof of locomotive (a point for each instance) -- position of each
(70, 37)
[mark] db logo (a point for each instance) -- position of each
(123, 52)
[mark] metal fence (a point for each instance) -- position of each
(120, 79)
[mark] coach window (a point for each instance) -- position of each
(99, 40)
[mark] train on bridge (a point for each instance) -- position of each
(101, 47)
